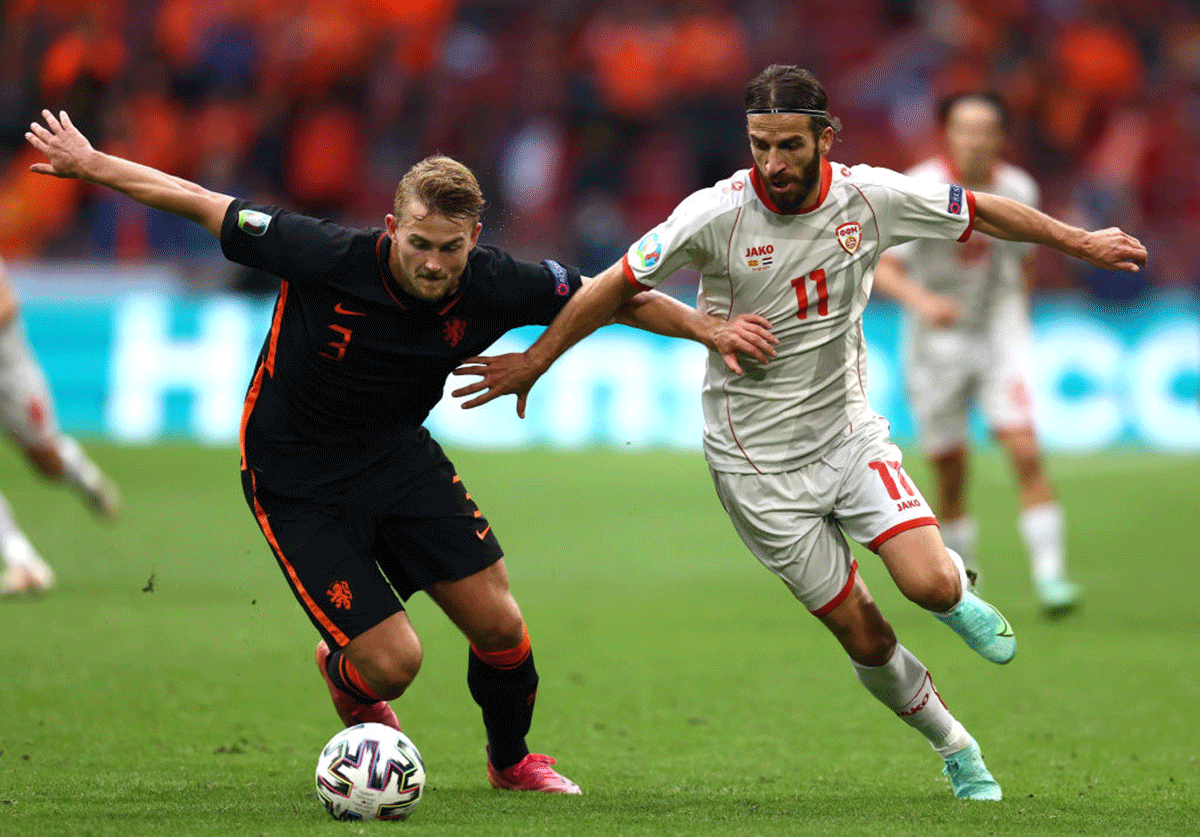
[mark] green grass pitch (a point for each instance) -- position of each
(166, 686)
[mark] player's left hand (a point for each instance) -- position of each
(746, 333)
(1113, 249)
(499, 375)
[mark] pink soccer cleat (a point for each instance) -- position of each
(350, 710)
(532, 773)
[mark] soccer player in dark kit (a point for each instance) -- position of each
(359, 505)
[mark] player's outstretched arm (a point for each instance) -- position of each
(892, 281)
(69, 154)
(662, 314)
(1110, 248)
(592, 306)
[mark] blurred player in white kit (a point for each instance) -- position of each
(799, 459)
(968, 342)
(27, 414)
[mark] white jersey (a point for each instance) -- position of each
(984, 275)
(809, 273)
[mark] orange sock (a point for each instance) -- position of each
(346, 677)
(509, 659)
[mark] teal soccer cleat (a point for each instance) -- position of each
(1058, 596)
(969, 776)
(982, 627)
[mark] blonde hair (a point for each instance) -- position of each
(445, 186)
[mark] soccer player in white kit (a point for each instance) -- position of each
(27, 413)
(968, 341)
(797, 455)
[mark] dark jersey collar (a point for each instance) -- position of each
(402, 298)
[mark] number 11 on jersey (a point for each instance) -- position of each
(818, 279)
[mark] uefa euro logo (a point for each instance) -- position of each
(649, 250)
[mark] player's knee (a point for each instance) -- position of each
(393, 671)
(875, 648)
(501, 634)
(937, 589)
(46, 460)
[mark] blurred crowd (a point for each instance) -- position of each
(586, 122)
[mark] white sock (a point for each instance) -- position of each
(15, 548)
(1042, 530)
(904, 685)
(78, 469)
(964, 583)
(961, 535)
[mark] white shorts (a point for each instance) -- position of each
(948, 371)
(794, 521)
(26, 409)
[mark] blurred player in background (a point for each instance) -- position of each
(968, 342)
(351, 492)
(27, 413)
(798, 457)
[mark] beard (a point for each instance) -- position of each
(806, 180)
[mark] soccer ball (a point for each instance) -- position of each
(370, 772)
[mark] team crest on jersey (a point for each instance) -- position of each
(760, 256)
(252, 222)
(649, 250)
(849, 235)
(454, 330)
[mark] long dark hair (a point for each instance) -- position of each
(791, 88)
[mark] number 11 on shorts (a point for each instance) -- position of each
(883, 469)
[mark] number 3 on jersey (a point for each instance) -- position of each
(817, 277)
(338, 345)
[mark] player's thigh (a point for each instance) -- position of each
(483, 608)
(876, 498)
(326, 556)
(26, 406)
(917, 560)
(940, 379)
(787, 527)
(434, 532)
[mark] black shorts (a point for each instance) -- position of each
(351, 561)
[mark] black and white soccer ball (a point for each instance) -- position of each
(370, 772)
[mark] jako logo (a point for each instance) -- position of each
(761, 250)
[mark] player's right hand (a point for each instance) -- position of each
(747, 334)
(67, 150)
(1114, 249)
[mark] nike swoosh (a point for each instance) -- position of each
(338, 309)
(483, 534)
(1008, 631)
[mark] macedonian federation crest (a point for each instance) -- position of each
(849, 235)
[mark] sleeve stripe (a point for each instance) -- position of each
(629, 277)
(970, 216)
